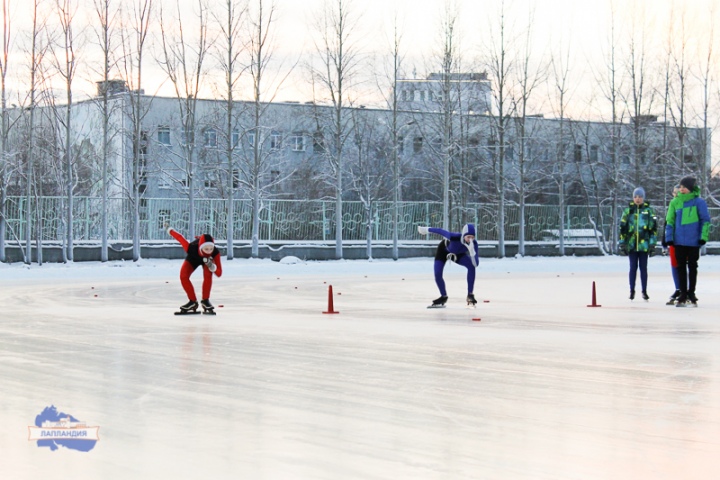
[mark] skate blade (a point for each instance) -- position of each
(436, 306)
(208, 312)
(195, 312)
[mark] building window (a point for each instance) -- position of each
(577, 153)
(163, 136)
(210, 180)
(164, 183)
(400, 145)
(235, 177)
(417, 144)
(235, 138)
(297, 143)
(594, 153)
(251, 138)
(275, 141)
(210, 138)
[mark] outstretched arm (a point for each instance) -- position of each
(177, 236)
(442, 232)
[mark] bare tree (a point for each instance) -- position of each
(229, 52)
(260, 48)
(38, 48)
(678, 91)
(449, 64)
(500, 66)
(368, 166)
(339, 61)
(708, 82)
(184, 63)
(65, 62)
(610, 81)
(107, 12)
(560, 70)
(4, 124)
(393, 76)
(639, 100)
(134, 34)
(529, 77)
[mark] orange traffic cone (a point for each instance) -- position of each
(330, 301)
(594, 298)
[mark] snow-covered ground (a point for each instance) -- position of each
(532, 384)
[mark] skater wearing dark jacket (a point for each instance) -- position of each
(687, 227)
(461, 248)
(638, 236)
(200, 252)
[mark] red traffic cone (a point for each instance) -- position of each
(330, 301)
(594, 298)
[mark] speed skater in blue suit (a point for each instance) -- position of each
(461, 248)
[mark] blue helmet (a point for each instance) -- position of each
(468, 229)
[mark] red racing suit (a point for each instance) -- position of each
(195, 258)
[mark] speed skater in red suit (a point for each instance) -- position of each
(200, 252)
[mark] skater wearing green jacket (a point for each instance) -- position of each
(687, 227)
(638, 236)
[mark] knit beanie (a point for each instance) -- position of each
(639, 192)
(468, 229)
(688, 182)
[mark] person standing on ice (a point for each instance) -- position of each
(673, 262)
(461, 248)
(687, 226)
(638, 237)
(200, 252)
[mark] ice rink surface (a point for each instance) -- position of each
(540, 387)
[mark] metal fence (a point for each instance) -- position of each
(295, 220)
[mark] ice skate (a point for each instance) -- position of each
(189, 308)
(439, 302)
(471, 300)
(682, 301)
(645, 295)
(692, 300)
(632, 294)
(673, 298)
(208, 308)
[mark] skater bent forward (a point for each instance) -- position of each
(200, 252)
(461, 248)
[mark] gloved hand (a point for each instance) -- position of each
(702, 242)
(167, 227)
(623, 249)
(210, 264)
(423, 230)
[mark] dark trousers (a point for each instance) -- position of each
(638, 259)
(687, 262)
(441, 257)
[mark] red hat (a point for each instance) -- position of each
(205, 239)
